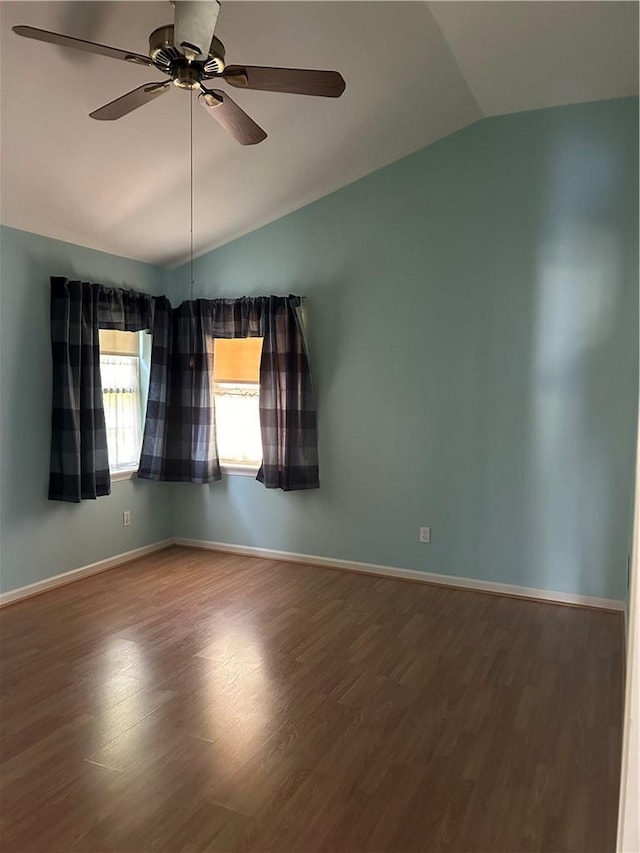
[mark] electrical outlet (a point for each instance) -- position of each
(126, 518)
(425, 534)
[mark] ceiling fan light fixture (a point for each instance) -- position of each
(214, 63)
(186, 76)
(161, 39)
(164, 54)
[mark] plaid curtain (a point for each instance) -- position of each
(124, 310)
(179, 441)
(79, 468)
(287, 401)
(155, 426)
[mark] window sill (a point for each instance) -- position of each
(239, 470)
(117, 476)
(227, 468)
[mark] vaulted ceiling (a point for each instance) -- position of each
(415, 72)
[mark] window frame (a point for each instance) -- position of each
(232, 467)
(120, 474)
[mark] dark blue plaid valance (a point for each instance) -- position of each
(125, 310)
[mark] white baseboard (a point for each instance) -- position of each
(82, 572)
(311, 560)
(408, 574)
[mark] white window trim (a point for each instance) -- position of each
(236, 469)
(123, 474)
(230, 468)
(120, 474)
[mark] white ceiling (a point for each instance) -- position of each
(526, 55)
(415, 72)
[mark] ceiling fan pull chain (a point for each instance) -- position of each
(192, 329)
(191, 174)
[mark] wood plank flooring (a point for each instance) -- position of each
(193, 701)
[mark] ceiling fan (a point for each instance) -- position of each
(188, 52)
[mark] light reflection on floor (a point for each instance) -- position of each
(239, 689)
(122, 701)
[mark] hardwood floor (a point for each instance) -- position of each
(193, 701)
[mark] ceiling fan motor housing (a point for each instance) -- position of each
(185, 73)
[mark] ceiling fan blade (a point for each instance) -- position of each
(296, 81)
(195, 22)
(80, 44)
(234, 120)
(131, 101)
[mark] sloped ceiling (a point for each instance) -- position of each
(415, 72)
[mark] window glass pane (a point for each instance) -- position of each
(238, 422)
(121, 400)
(119, 374)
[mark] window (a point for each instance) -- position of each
(236, 389)
(120, 371)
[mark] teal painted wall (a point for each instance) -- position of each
(474, 338)
(473, 318)
(41, 538)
